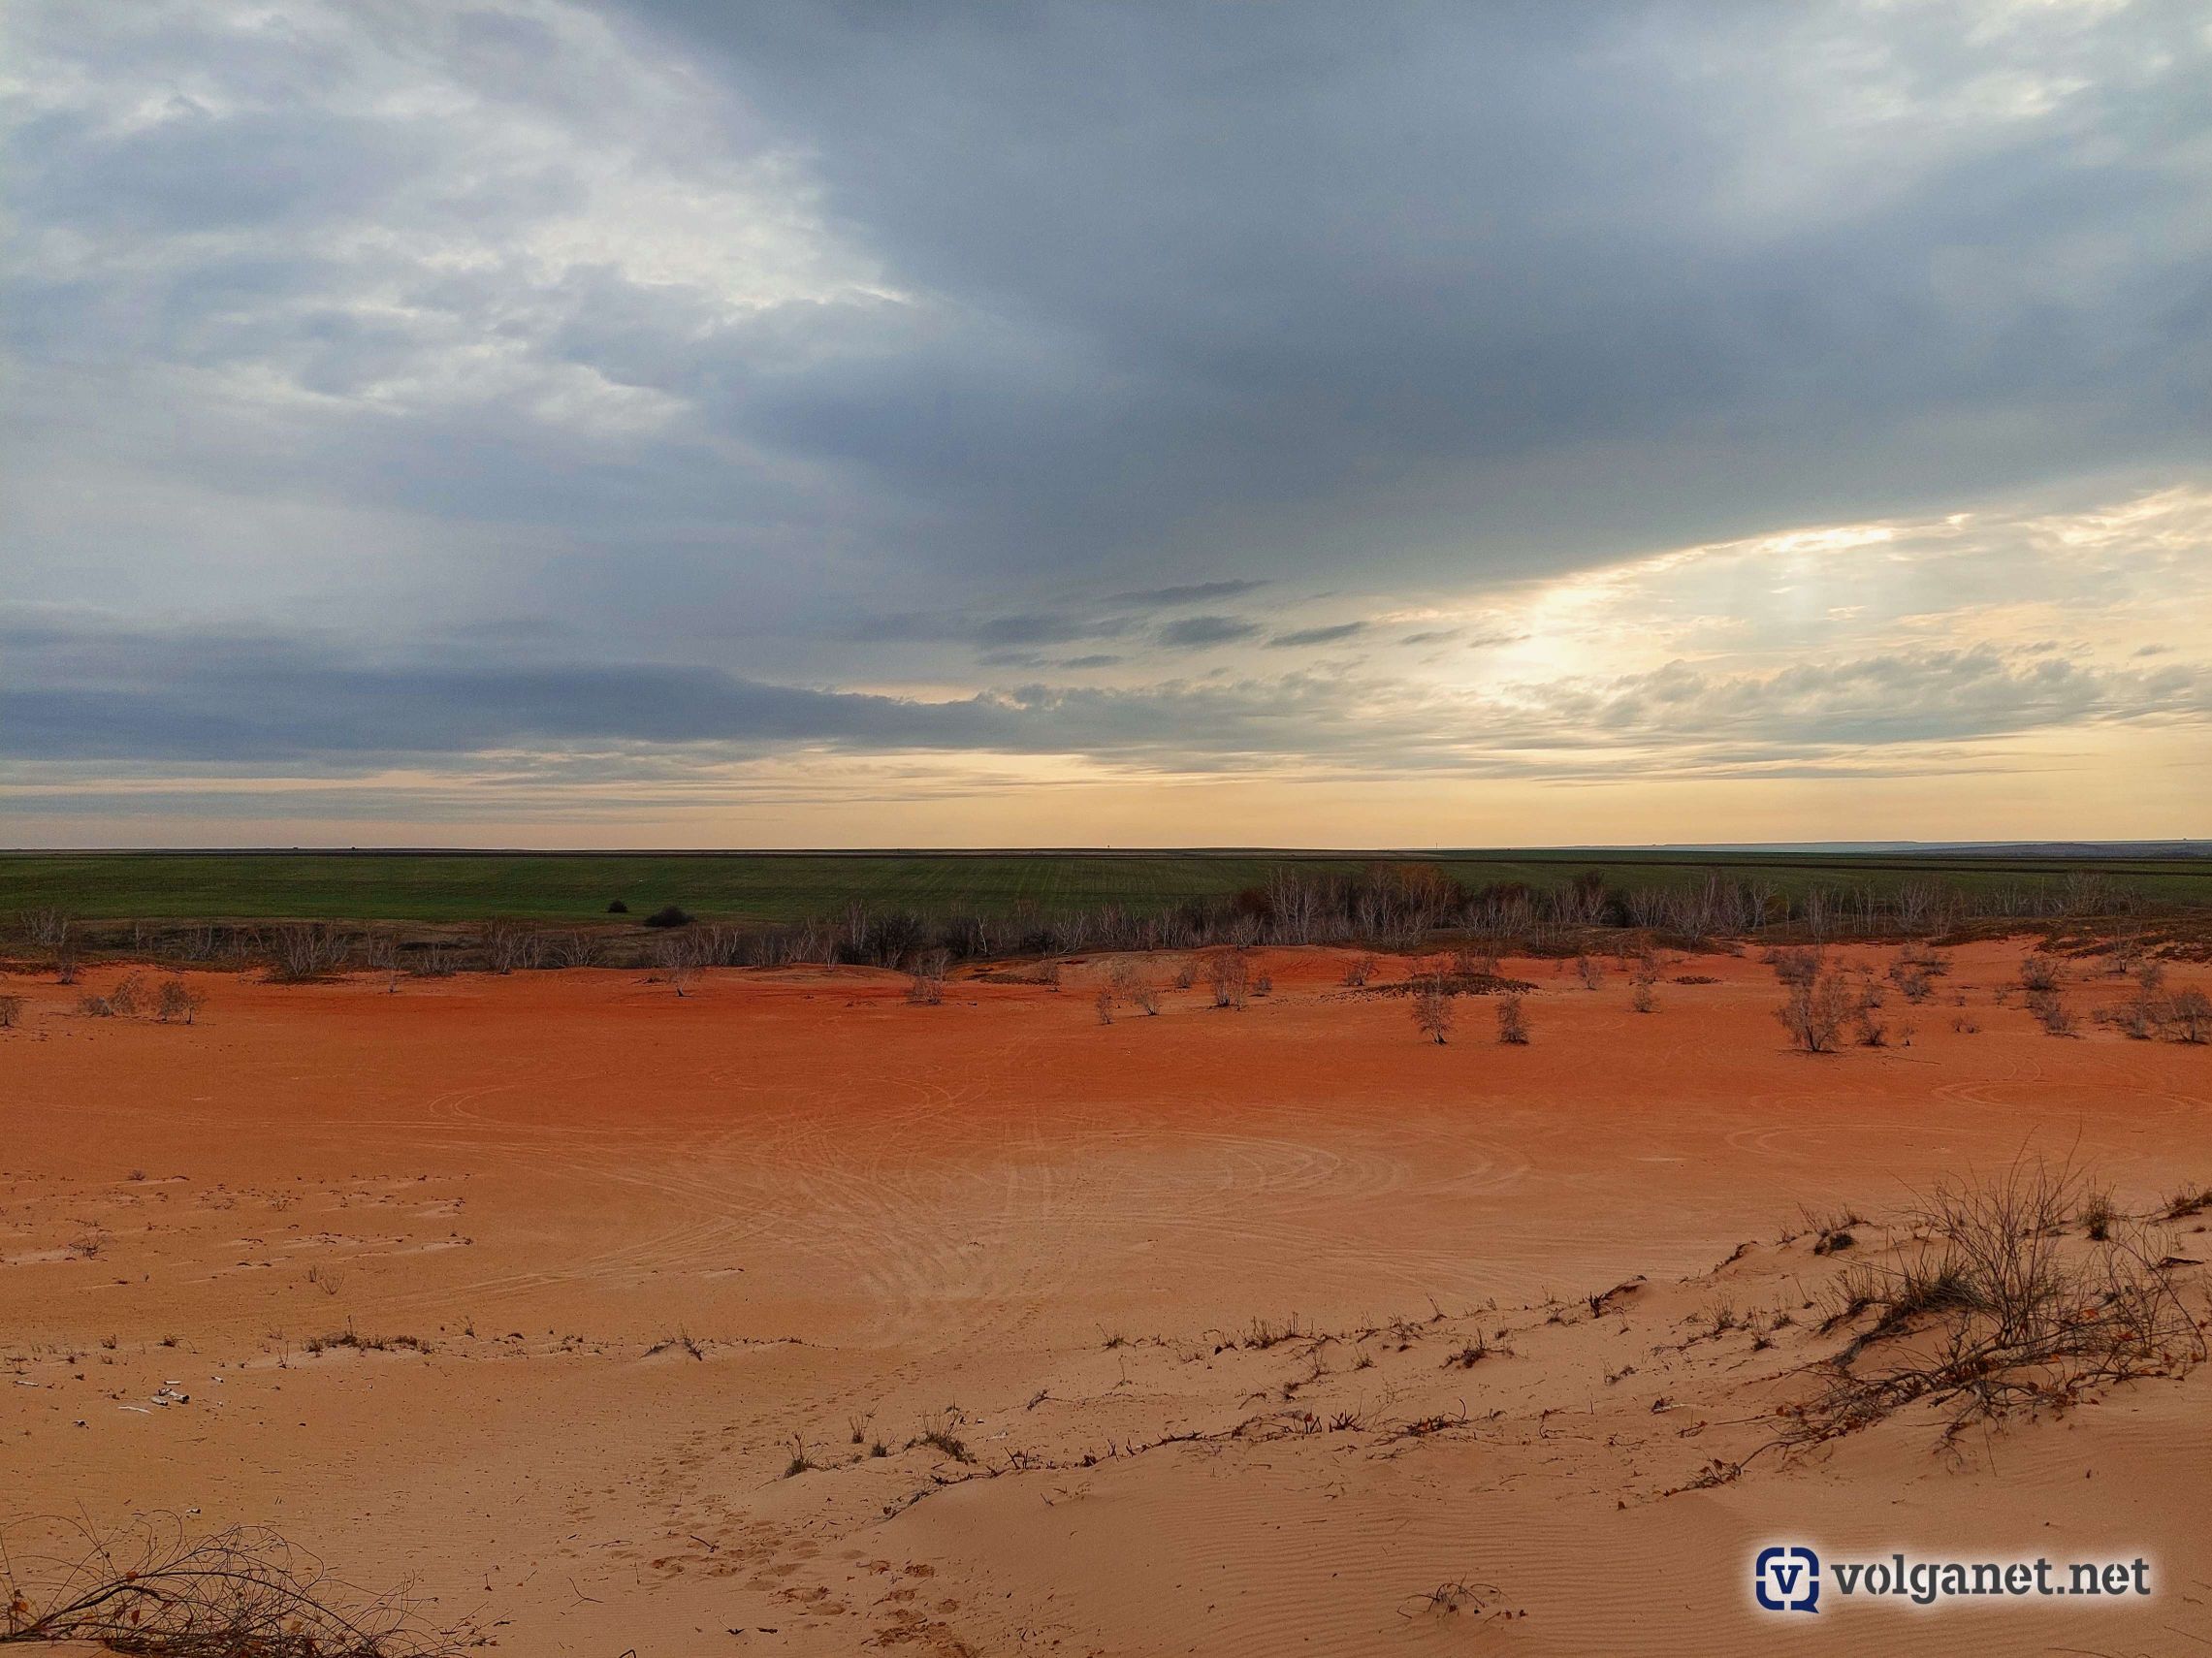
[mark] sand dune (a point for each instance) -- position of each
(535, 1287)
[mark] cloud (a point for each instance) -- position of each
(1193, 592)
(668, 373)
(1193, 632)
(77, 688)
(1304, 636)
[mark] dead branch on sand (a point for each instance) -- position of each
(152, 1587)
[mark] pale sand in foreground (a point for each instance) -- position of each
(1054, 1241)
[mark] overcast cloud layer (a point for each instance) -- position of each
(686, 422)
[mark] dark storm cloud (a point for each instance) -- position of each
(1317, 280)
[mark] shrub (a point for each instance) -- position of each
(2038, 974)
(1996, 1311)
(1588, 972)
(1796, 968)
(1512, 1021)
(1358, 970)
(1432, 1011)
(174, 999)
(1228, 972)
(1639, 997)
(669, 915)
(508, 945)
(925, 983)
(1815, 1013)
(303, 951)
(2050, 1012)
(10, 1012)
(618, 908)
(1105, 1007)
(2190, 1015)
(124, 998)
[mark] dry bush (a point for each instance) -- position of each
(1641, 999)
(46, 927)
(174, 1000)
(577, 948)
(1512, 1020)
(1147, 999)
(123, 1000)
(1229, 975)
(2139, 1017)
(95, 1007)
(1868, 1027)
(10, 1012)
(2190, 1015)
(925, 984)
(1816, 1013)
(1916, 970)
(1996, 1307)
(1432, 1011)
(509, 944)
(153, 1589)
(1186, 974)
(1105, 1007)
(1358, 971)
(2038, 974)
(303, 950)
(1796, 968)
(2053, 1014)
(1588, 970)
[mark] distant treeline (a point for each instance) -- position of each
(1396, 904)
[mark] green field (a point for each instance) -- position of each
(775, 886)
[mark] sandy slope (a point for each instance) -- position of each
(1067, 1247)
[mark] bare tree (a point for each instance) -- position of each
(1815, 1013)
(1432, 1010)
(1229, 977)
(510, 944)
(302, 950)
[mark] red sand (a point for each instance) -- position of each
(1001, 1218)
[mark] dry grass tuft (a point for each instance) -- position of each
(1996, 1308)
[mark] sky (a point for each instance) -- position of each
(678, 423)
